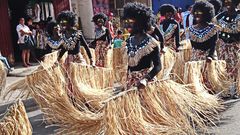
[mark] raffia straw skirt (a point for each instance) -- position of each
(162, 108)
(208, 76)
(15, 121)
(230, 52)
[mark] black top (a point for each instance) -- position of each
(170, 29)
(158, 36)
(103, 34)
(72, 44)
(145, 54)
(204, 39)
(230, 25)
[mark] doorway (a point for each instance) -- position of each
(17, 9)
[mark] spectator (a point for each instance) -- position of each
(187, 19)
(118, 39)
(178, 16)
(110, 25)
(4, 60)
(23, 31)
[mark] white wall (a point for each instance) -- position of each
(84, 10)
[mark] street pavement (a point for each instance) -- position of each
(229, 123)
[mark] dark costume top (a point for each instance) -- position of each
(158, 36)
(72, 44)
(204, 39)
(170, 30)
(103, 34)
(143, 56)
(230, 25)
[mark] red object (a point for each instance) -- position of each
(60, 5)
(178, 17)
(6, 47)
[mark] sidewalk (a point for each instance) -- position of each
(17, 74)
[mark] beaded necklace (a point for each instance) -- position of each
(169, 32)
(71, 42)
(202, 35)
(228, 24)
(133, 49)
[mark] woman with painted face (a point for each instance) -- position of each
(102, 39)
(54, 40)
(169, 27)
(203, 35)
(72, 39)
(217, 4)
(142, 49)
(229, 38)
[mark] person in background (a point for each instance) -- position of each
(102, 39)
(217, 4)
(73, 39)
(187, 19)
(178, 16)
(110, 25)
(169, 27)
(156, 33)
(203, 34)
(54, 39)
(5, 62)
(229, 38)
(33, 37)
(117, 43)
(23, 31)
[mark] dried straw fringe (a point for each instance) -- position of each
(85, 56)
(51, 58)
(168, 59)
(21, 86)
(3, 76)
(215, 72)
(91, 85)
(49, 91)
(124, 116)
(48, 87)
(15, 121)
(183, 56)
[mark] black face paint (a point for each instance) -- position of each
(100, 22)
(129, 25)
(198, 16)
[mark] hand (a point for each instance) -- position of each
(142, 84)
(177, 50)
(209, 60)
(55, 64)
(29, 33)
(91, 63)
(162, 51)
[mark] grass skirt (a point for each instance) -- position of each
(207, 76)
(15, 121)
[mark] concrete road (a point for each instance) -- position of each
(229, 123)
